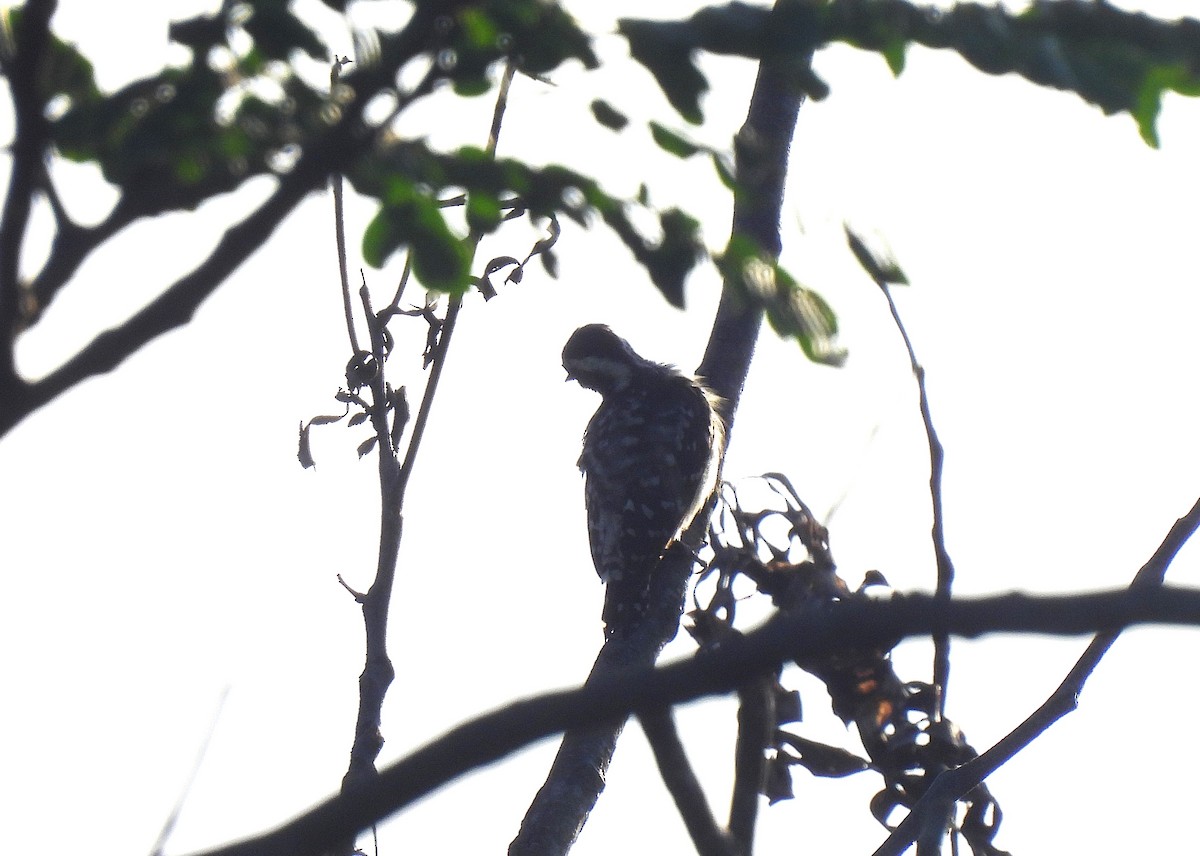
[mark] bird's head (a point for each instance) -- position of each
(599, 359)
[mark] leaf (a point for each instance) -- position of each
(821, 759)
(794, 311)
(543, 245)
(277, 32)
(484, 212)
(777, 785)
(671, 142)
(671, 259)
(400, 415)
(787, 705)
(1148, 103)
(305, 451)
(408, 218)
(365, 447)
(671, 61)
(724, 170)
(896, 56)
(609, 116)
(877, 261)
(1120, 61)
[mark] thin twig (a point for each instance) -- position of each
(953, 784)
(339, 219)
(452, 311)
(173, 817)
(680, 779)
(378, 673)
(945, 567)
(404, 277)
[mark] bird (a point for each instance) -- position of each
(651, 459)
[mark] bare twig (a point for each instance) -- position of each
(448, 325)
(681, 781)
(173, 817)
(612, 697)
(945, 567)
(378, 672)
(339, 219)
(953, 784)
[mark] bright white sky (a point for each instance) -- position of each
(164, 544)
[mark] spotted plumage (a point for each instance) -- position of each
(650, 459)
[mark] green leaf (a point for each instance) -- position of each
(724, 171)
(609, 116)
(896, 55)
(472, 87)
(483, 212)
(795, 312)
(671, 142)
(877, 261)
(672, 64)
(277, 32)
(667, 261)
(408, 218)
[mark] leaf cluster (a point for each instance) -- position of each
(778, 546)
(1119, 61)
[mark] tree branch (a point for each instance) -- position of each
(756, 727)
(378, 671)
(28, 150)
(331, 153)
(953, 784)
(611, 698)
(681, 781)
(763, 144)
(937, 455)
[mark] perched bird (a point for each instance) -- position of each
(651, 456)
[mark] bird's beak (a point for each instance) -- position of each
(570, 377)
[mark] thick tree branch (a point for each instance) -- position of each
(763, 145)
(339, 147)
(611, 698)
(762, 148)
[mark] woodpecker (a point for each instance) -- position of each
(651, 455)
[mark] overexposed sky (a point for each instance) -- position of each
(165, 545)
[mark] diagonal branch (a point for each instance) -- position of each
(681, 781)
(174, 307)
(562, 805)
(953, 784)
